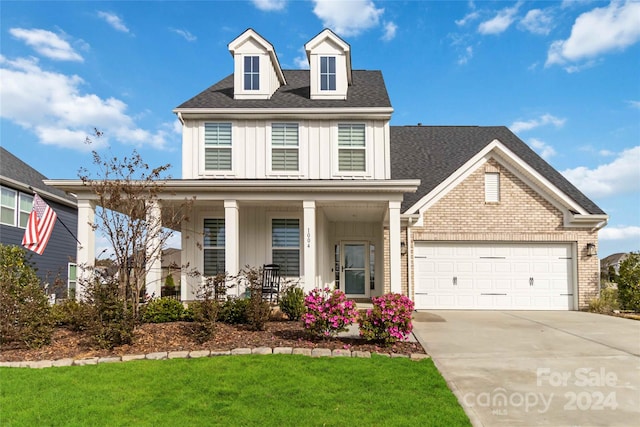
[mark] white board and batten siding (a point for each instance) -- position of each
(494, 276)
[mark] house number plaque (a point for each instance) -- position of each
(308, 237)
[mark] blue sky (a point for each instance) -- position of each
(564, 76)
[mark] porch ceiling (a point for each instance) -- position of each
(358, 212)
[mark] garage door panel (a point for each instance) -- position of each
(493, 275)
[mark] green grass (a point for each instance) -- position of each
(273, 390)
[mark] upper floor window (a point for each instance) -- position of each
(492, 187)
(251, 73)
(327, 73)
(15, 207)
(351, 148)
(284, 147)
(217, 146)
(285, 245)
(213, 246)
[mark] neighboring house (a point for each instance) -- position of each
(170, 263)
(18, 182)
(613, 261)
(301, 168)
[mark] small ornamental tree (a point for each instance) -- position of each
(328, 312)
(127, 193)
(389, 320)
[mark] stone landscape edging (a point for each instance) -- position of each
(196, 354)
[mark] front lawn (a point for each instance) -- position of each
(278, 390)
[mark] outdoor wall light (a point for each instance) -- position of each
(591, 249)
(403, 248)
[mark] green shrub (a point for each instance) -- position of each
(292, 302)
(73, 315)
(202, 316)
(234, 311)
(112, 322)
(25, 313)
(628, 280)
(163, 310)
(258, 311)
(389, 320)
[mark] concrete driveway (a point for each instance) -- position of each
(537, 368)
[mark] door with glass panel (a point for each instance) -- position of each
(354, 269)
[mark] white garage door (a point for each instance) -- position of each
(493, 276)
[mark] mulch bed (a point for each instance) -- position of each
(149, 338)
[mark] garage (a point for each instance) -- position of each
(493, 276)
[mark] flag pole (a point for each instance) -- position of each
(59, 220)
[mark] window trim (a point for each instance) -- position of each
(302, 152)
(335, 151)
(215, 247)
(283, 215)
(20, 211)
(202, 151)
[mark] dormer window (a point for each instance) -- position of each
(327, 73)
(251, 73)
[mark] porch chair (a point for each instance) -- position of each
(270, 281)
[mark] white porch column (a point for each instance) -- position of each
(309, 243)
(86, 253)
(394, 247)
(153, 245)
(232, 239)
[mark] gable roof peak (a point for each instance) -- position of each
(251, 34)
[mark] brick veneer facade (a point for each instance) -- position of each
(522, 215)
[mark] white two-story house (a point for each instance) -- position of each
(301, 168)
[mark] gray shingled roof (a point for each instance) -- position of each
(433, 153)
(13, 168)
(368, 90)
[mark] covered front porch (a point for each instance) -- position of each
(321, 233)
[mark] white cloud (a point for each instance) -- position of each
(599, 31)
(114, 20)
(634, 104)
(622, 175)
(348, 17)
(184, 33)
(606, 153)
(269, 5)
(301, 61)
(545, 150)
(619, 233)
(465, 56)
(537, 21)
(389, 31)
(501, 21)
(543, 120)
(471, 16)
(47, 44)
(54, 107)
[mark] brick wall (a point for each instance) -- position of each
(522, 215)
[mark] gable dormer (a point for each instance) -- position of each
(257, 72)
(330, 66)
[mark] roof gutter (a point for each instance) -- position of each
(29, 189)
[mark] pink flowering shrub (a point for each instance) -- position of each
(389, 320)
(328, 312)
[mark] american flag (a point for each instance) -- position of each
(39, 227)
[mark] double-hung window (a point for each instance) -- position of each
(217, 147)
(251, 73)
(213, 246)
(285, 245)
(284, 147)
(351, 148)
(327, 73)
(8, 206)
(25, 204)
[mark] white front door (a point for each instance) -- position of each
(354, 269)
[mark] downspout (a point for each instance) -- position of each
(179, 114)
